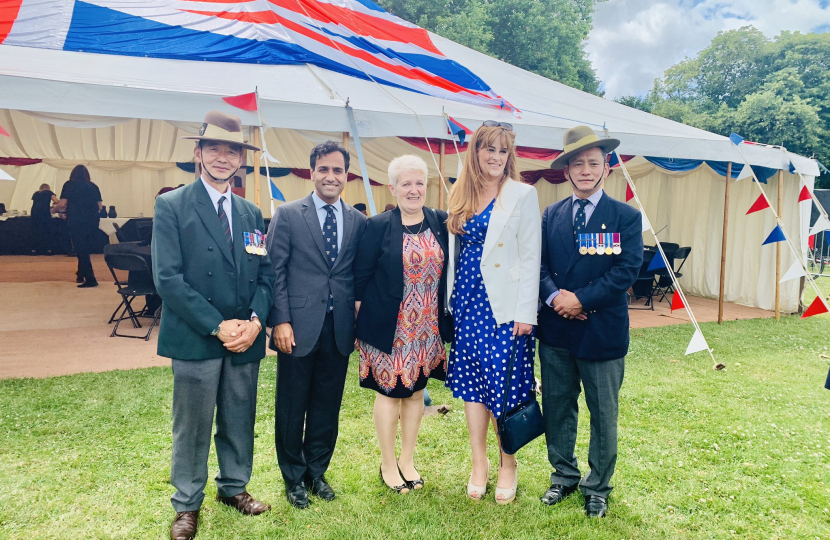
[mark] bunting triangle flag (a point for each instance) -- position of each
(777, 235)
(628, 193)
(795, 271)
(3, 132)
(677, 302)
(759, 204)
(697, 344)
(804, 195)
(657, 262)
(736, 139)
(457, 129)
(746, 172)
(276, 194)
(816, 308)
(822, 224)
(5, 176)
(646, 223)
(246, 102)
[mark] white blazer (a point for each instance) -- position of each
(511, 258)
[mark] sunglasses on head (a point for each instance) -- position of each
(492, 123)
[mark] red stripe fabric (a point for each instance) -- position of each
(8, 14)
(18, 162)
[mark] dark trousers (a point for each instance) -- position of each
(41, 234)
(309, 393)
(199, 386)
(83, 239)
(561, 378)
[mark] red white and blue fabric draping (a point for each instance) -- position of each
(354, 37)
(720, 167)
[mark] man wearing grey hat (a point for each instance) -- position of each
(214, 276)
(592, 249)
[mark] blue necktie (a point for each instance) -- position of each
(330, 243)
(579, 220)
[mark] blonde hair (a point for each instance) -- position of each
(405, 163)
(44, 187)
(466, 192)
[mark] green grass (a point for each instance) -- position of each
(740, 453)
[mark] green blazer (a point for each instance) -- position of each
(200, 281)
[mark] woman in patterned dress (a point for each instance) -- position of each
(495, 228)
(399, 272)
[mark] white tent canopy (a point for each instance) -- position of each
(123, 116)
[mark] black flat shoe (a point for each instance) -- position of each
(412, 484)
(397, 489)
(557, 493)
(88, 284)
(297, 496)
(320, 488)
(596, 506)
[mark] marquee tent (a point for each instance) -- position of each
(123, 114)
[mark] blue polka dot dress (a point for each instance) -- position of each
(479, 355)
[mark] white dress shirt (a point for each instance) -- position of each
(214, 195)
(320, 204)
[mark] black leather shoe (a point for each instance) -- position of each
(321, 488)
(184, 525)
(596, 506)
(556, 493)
(297, 496)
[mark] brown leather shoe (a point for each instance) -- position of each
(184, 525)
(245, 504)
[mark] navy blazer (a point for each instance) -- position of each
(378, 277)
(600, 282)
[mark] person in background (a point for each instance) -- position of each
(495, 284)
(389, 207)
(400, 280)
(592, 250)
(2, 208)
(360, 207)
(82, 201)
(42, 201)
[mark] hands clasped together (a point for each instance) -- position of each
(239, 335)
(567, 305)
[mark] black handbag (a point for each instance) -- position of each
(522, 424)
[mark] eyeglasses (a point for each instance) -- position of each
(492, 123)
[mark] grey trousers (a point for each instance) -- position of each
(199, 386)
(561, 377)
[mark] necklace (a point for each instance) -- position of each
(420, 226)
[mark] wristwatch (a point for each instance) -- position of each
(215, 331)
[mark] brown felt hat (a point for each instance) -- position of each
(222, 127)
(578, 139)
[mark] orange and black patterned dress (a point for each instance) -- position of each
(418, 353)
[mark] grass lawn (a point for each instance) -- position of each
(740, 453)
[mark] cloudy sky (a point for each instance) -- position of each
(634, 41)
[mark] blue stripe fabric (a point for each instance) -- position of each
(683, 165)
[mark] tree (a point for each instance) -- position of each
(546, 37)
(774, 91)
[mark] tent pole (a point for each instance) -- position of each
(778, 248)
(363, 170)
(346, 140)
(723, 242)
(257, 186)
(441, 160)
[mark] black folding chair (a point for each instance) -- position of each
(680, 255)
(145, 232)
(644, 284)
(119, 233)
(662, 278)
(139, 283)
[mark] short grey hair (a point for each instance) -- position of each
(405, 163)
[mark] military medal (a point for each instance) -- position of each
(608, 249)
(617, 249)
(583, 248)
(600, 244)
(592, 250)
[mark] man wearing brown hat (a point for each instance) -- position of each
(215, 279)
(592, 249)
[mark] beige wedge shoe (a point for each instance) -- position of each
(475, 492)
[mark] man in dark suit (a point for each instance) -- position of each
(312, 244)
(592, 249)
(215, 280)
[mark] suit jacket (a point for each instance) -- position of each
(378, 276)
(600, 282)
(510, 259)
(304, 279)
(199, 279)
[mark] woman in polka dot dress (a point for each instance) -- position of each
(493, 285)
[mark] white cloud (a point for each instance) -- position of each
(635, 41)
